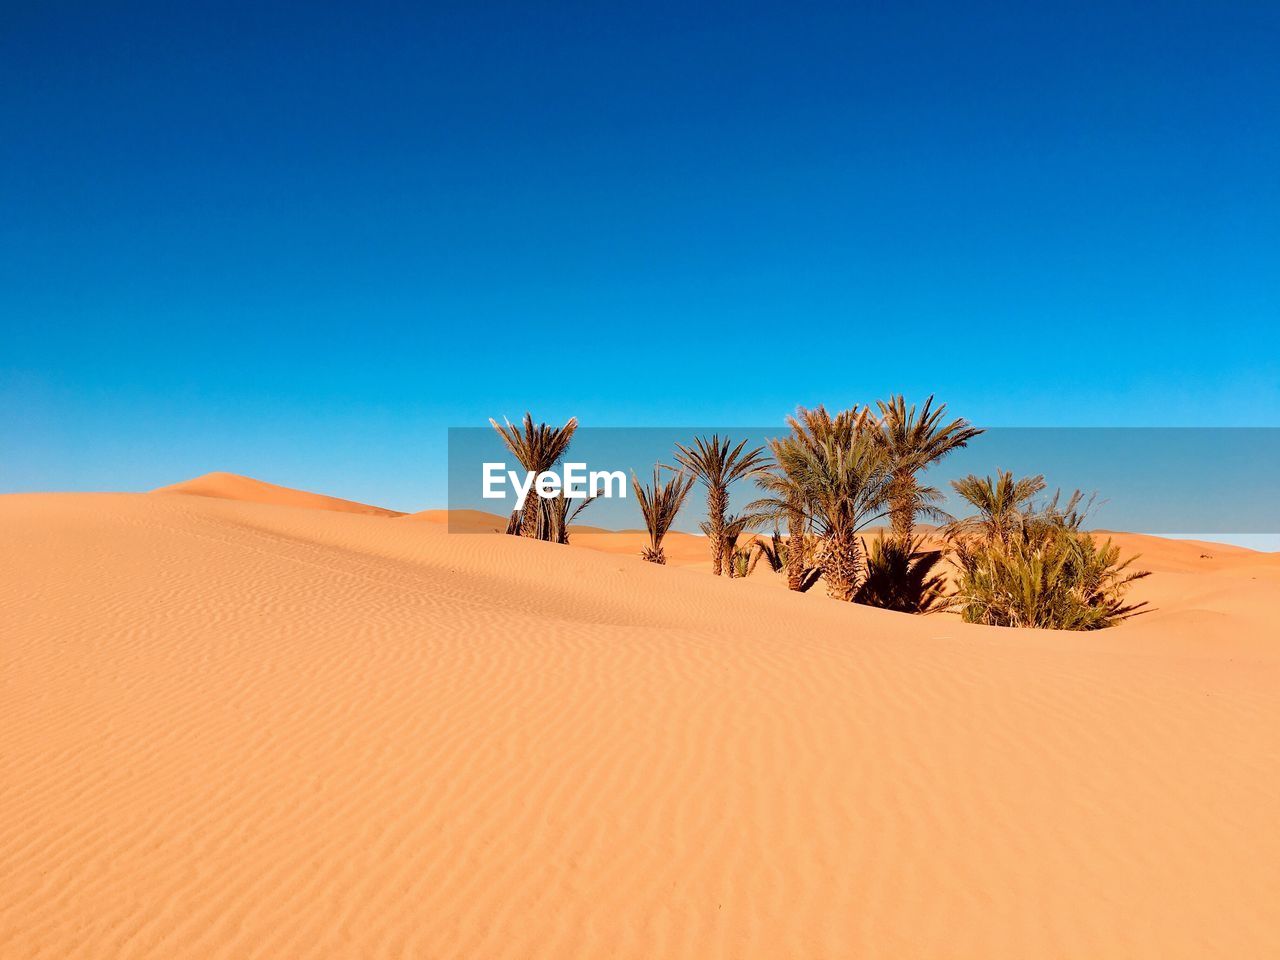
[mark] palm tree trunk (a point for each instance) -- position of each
(529, 525)
(840, 565)
(717, 503)
(795, 549)
(902, 509)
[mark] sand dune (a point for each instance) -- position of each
(244, 729)
(233, 486)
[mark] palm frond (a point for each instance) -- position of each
(538, 448)
(913, 441)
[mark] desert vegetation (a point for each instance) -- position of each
(782, 554)
(1020, 559)
(1023, 565)
(660, 502)
(912, 442)
(717, 464)
(539, 448)
(1015, 562)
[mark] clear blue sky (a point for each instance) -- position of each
(299, 241)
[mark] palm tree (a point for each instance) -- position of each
(810, 429)
(1002, 504)
(717, 464)
(538, 449)
(734, 527)
(913, 441)
(844, 481)
(660, 503)
(555, 516)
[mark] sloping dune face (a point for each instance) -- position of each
(233, 729)
(233, 486)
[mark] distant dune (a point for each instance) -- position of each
(264, 723)
(479, 521)
(682, 549)
(233, 486)
(463, 521)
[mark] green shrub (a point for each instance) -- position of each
(1036, 567)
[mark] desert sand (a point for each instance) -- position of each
(243, 721)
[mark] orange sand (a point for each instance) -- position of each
(279, 729)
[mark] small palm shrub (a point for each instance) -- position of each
(1039, 568)
(660, 503)
(898, 575)
(776, 552)
(773, 551)
(744, 560)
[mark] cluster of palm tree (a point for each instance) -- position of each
(834, 475)
(829, 479)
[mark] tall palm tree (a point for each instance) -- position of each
(1001, 501)
(538, 448)
(660, 503)
(913, 440)
(717, 464)
(845, 483)
(786, 500)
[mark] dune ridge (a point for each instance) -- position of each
(234, 486)
(245, 729)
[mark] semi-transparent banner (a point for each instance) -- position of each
(1163, 480)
